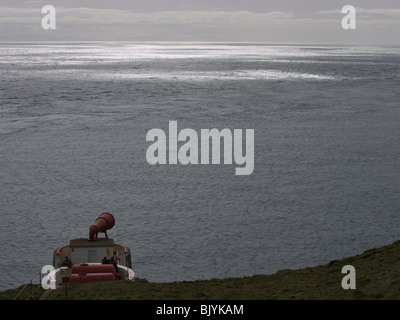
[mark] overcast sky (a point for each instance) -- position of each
(287, 21)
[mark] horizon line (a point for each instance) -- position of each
(207, 42)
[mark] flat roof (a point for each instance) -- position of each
(99, 242)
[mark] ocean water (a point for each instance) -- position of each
(73, 124)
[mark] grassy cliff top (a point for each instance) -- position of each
(377, 277)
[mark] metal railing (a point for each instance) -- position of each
(30, 284)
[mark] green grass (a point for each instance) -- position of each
(377, 278)
(23, 292)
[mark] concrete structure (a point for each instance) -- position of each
(86, 251)
(90, 252)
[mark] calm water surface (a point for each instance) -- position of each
(73, 124)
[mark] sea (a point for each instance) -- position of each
(74, 117)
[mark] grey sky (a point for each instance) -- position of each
(306, 21)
